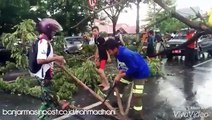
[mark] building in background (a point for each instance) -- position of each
(108, 28)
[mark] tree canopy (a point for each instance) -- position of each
(66, 12)
(168, 24)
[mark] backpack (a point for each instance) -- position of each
(34, 67)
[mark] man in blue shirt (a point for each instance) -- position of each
(137, 70)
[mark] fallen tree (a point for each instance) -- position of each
(121, 116)
(202, 28)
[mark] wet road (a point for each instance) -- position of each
(185, 94)
(9, 102)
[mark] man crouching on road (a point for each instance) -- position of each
(138, 71)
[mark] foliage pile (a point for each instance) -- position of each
(21, 38)
(9, 67)
(29, 86)
(22, 85)
(155, 67)
(63, 85)
(87, 74)
(84, 69)
(18, 41)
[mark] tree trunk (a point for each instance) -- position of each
(191, 24)
(137, 19)
(107, 104)
(114, 21)
(202, 28)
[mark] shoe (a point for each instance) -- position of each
(135, 115)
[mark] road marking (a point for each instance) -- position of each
(93, 105)
(204, 69)
(86, 108)
(202, 63)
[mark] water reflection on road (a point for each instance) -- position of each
(185, 90)
(10, 102)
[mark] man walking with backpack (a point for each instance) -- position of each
(41, 60)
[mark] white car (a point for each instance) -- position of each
(73, 44)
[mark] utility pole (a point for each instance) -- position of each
(154, 17)
(137, 20)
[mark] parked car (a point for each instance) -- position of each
(206, 44)
(176, 41)
(73, 44)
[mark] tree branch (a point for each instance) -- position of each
(203, 29)
(97, 11)
(107, 104)
(198, 14)
(108, 14)
(197, 26)
(157, 22)
(175, 14)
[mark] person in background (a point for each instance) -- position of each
(150, 44)
(144, 39)
(119, 38)
(190, 49)
(86, 39)
(158, 40)
(137, 71)
(101, 57)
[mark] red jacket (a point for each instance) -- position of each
(188, 37)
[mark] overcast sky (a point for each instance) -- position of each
(130, 17)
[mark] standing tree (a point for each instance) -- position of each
(113, 12)
(11, 13)
(68, 13)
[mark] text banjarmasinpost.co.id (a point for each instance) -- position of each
(57, 112)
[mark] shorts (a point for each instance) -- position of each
(102, 64)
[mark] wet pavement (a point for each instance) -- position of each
(185, 94)
(9, 102)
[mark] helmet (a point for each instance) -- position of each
(49, 27)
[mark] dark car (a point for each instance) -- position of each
(73, 44)
(176, 41)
